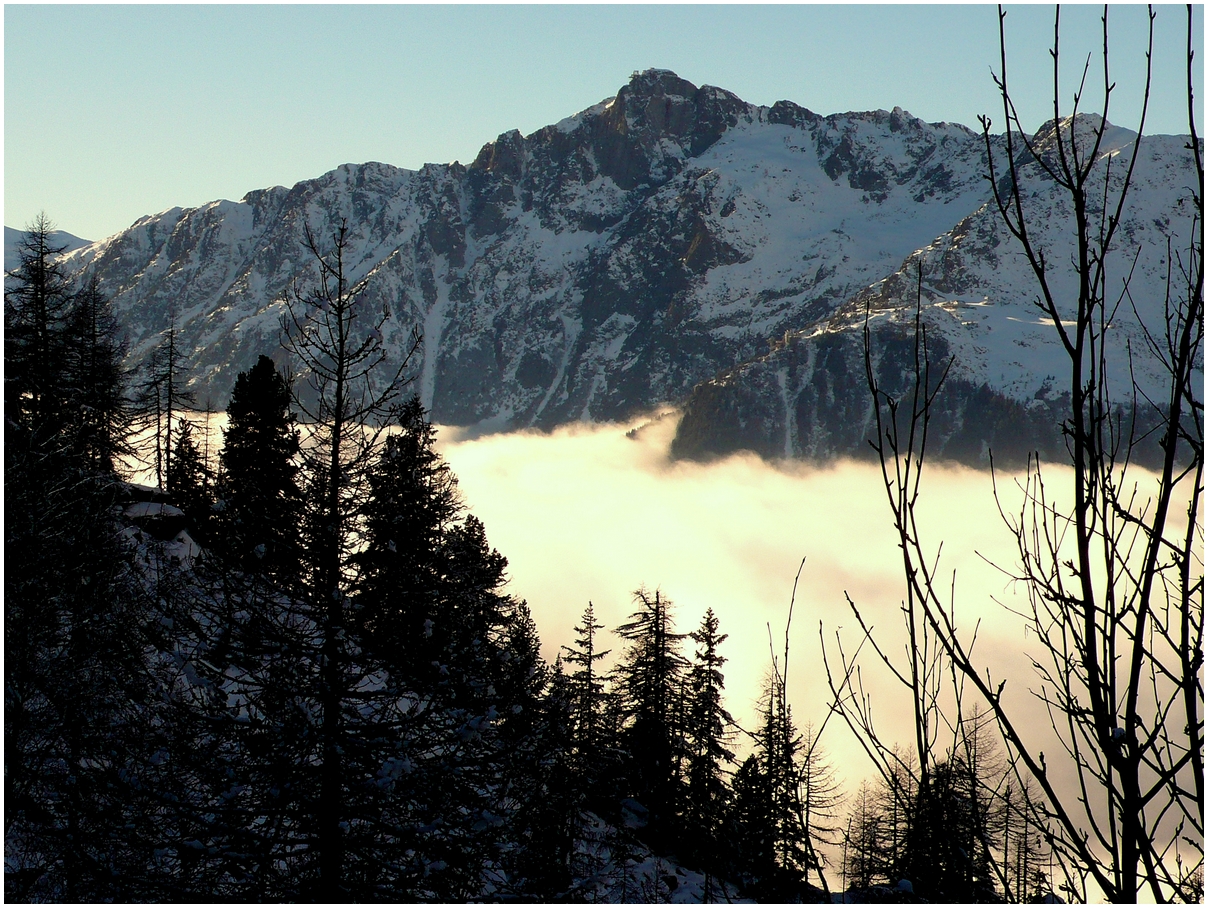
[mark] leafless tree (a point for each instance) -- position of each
(162, 395)
(339, 349)
(1111, 565)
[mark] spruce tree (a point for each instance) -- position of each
(36, 304)
(776, 851)
(750, 850)
(955, 823)
(708, 733)
(547, 816)
(188, 481)
(257, 486)
(403, 598)
(586, 685)
(651, 681)
(429, 604)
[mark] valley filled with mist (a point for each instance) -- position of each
(593, 512)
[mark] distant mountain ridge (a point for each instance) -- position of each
(672, 244)
(13, 238)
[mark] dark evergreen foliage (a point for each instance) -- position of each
(708, 733)
(650, 680)
(95, 379)
(79, 703)
(339, 699)
(257, 484)
(548, 800)
(751, 855)
(586, 690)
(772, 840)
(37, 300)
(189, 482)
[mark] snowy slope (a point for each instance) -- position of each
(58, 238)
(607, 263)
(978, 297)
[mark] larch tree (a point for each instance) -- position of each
(1111, 564)
(162, 393)
(338, 347)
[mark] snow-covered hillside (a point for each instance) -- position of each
(58, 238)
(620, 258)
(978, 297)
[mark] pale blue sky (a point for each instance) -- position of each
(112, 112)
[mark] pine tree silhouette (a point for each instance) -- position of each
(189, 482)
(651, 682)
(586, 690)
(257, 485)
(708, 733)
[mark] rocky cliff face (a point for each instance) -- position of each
(667, 238)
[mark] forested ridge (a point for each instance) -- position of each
(292, 670)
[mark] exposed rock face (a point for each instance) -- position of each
(654, 243)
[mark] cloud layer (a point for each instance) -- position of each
(595, 512)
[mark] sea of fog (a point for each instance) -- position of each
(592, 512)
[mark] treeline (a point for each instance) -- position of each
(321, 688)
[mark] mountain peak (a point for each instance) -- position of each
(650, 82)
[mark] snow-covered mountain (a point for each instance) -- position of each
(1010, 377)
(668, 239)
(58, 238)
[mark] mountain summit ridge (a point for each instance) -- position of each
(622, 257)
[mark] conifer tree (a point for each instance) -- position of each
(708, 733)
(750, 849)
(338, 347)
(894, 799)
(586, 686)
(78, 702)
(955, 823)
(188, 480)
(36, 304)
(78, 705)
(777, 853)
(1024, 849)
(820, 796)
(405, 596)
(779, 746)
(548, 812)
(162, 394)
(95, 379)
(863, 863)
(261, 504)
(651, 681)
(430, 605)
